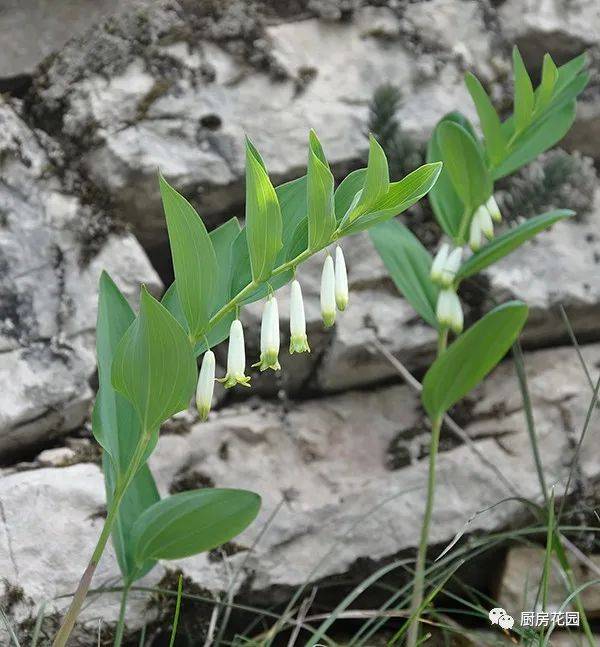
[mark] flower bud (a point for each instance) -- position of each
(451, 267)
(328, 293)
(475, 233)
(298, 339)
(449, 311)
(492, 206)
(236, 357)
(269, 336)
(485, 222)
(206, 385)
(439, 263)
(341, 280)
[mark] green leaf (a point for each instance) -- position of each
(321, 215)
(506, 243)
(488, 117)
(117, 428)
(111, 410)
(139, 496)
(263, 217)
(401, 196)
(546, 89)
(192, 522)
(292, 198)
(409, 264)
(445, 203)
(376, 184)
(345, 193)
(154, 365)
(465, 164)
(222, 240)
(539, 138)
(377, 178)
(471, 357)
(194, 259)
(523, 101)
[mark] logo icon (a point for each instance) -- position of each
(498, 616)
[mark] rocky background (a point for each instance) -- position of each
(99, 94)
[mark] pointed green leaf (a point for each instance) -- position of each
(263, 217)
(377, 179)
(523, 101)
(488, 117)
(321, 215)
(401, 196)
(193, 522)
(345, 193)
(506, 243)
(539, 138)
(376, 184)
(546, 89)
(465, 164)
(222, 240)
(471, 357)
(194, 259)
(139, 496)
(117, 428)
(111, 410)
(409, 264)
(154, 365)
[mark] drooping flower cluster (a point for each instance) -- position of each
(334, 296)
(447, 263)
(482, 223)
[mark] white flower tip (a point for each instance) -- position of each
(494, 209)
(328, 292)
(341, 280)
(206, 385)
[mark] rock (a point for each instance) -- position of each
(328, 461)
(49, 562)
(162, 97)
(522, 574)
(52, 250)
(33, 29)
(564, 28)
(57, 457)
(545, 285)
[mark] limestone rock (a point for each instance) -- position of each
(328, 461)
(52, 250)
(565, 28)
(169, 97)
(33, 29)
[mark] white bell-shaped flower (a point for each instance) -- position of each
(206, 385)
(485, 221)
(269, 336)
(236, 357)
(475, 234)
(439, 263)
(341, 280)
(328, 305)
(449, 311)
(298, 339)
(492, 206)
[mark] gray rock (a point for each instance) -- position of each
(328, 460)
(184, 104)
(564, 28)
(52, 250)
(33, 29)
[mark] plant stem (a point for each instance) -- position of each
(68, 622)
(122, 611)
(419, 579)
